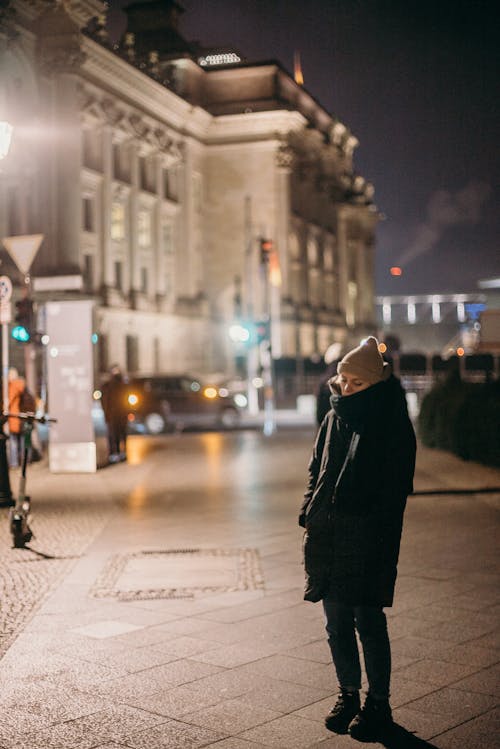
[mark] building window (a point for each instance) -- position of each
(170, 183)
(118, 275)
(168, 252)
(118, 221)
(121, 163)
(147, 179)
(102, 352)
(144, 228)
(132, 353)
(88, 272)
(88, 214)
(91, 147)
(144, 280)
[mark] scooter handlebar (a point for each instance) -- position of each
(30, 416)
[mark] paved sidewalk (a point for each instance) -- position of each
(233, 658)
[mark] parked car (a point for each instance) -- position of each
(163, 402)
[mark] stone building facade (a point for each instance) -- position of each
(153, 174)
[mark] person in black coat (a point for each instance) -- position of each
(115, 407)
(360, 474)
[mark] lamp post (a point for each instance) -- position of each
(6, 130)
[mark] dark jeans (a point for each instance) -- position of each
(342, 621)
(117, 437)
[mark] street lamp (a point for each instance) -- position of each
(6, 130)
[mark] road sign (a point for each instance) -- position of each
(23, 249)
(5, 289)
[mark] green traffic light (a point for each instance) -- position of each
(19, 333)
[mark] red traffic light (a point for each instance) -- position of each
(266, 248)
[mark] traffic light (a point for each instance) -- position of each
(23, 330)
(266, 248)
(262, 330)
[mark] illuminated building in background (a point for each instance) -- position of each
(154, 165)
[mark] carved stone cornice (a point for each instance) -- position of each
(114, 114)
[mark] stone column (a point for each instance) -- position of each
(106, 264)
(60, 58)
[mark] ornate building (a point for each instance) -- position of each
(153, 168)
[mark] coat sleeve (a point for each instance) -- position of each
(313, 470)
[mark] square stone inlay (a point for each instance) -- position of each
(178, 573)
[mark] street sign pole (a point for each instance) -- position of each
(5, 314)
(5, 490)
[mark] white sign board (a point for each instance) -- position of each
(72, 447)
(5, 289)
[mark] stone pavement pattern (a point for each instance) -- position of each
(245, 664)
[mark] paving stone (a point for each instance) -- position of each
(470, 653)
(486, 681)
(288, 732)
(436, 672)
(314, 651)
(456, 631)
(184, 647)
(404, 691)
(86, 732)
(284, 668)
(236, 654)
(46, 703)
(491, 640)
(151, 680)
(231, 716)
(235, 743)
(283, 696)
(477, 733)
(178, 701)
(174, 735)
(420, 647)
(454, 703)
(424, 724)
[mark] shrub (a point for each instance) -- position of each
(464, 418)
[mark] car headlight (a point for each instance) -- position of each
(210, 392)
(241, 400)
(133, 399)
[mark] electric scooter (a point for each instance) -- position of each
(19, 515)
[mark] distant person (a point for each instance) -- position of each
(114, 405)
(20, 401)
(360, 474)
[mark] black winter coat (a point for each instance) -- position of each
(360, 474)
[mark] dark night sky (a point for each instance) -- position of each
(416, 81)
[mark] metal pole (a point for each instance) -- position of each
(252, 355)
(267, 359)
(5, 490)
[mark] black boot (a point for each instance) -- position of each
(342, 713)
(373, 722)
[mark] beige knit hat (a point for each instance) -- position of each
(365, 362)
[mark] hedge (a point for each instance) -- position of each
(464, 418)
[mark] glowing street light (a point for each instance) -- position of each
(6, 131)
